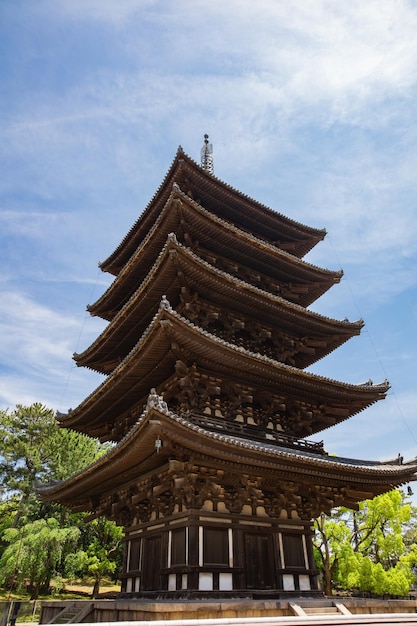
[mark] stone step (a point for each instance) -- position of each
(321, 610)
(72, 614)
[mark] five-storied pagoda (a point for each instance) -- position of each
(213, 475)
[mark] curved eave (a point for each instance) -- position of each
(220, 237)
(247, 213)
(228, 202)
(290, 462)
(129, 244)
(151, 362)
(218, 287)
(135, 456)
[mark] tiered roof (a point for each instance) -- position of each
(220, 199)
(217, 241)
(135, 456)
(153, 360)
(209, 299)
(166, 278)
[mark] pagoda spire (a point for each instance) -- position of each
(207, 155)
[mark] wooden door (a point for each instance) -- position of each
(259, 561)
(151, 577)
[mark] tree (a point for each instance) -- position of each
(332, 547)
(378, 527)
(35, 449)
(102, 555)
(365, 549)
(36, 536)
(34, 553)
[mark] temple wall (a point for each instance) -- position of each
(209, 552)
(196, 529)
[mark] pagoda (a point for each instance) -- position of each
(213, 474)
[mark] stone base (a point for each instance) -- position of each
(146, 610)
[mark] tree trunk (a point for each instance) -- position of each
(327, 571)
(96, 588)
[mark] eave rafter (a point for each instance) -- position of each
(135, 459)
(152, 361)
(222, 199)
(183, 277)
(214, 238)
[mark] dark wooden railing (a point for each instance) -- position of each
(256, 433)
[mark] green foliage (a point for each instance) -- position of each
(35, 537)
(378, 527)
(102, 555)
(365, 550)
(8, 510)
(332, 548)
(34, 553)
(25, 433)
(35, 448)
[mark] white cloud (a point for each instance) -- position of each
(27, 328)
(324, 58)
(37, 346)
(252, 74)
(27, 223)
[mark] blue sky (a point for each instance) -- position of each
(311, 109)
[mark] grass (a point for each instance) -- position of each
(71, 590)
(65, 590)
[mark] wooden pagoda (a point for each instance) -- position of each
(213, 474)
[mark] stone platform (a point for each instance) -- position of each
(237, 612)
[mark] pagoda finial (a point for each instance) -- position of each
(207, 155)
